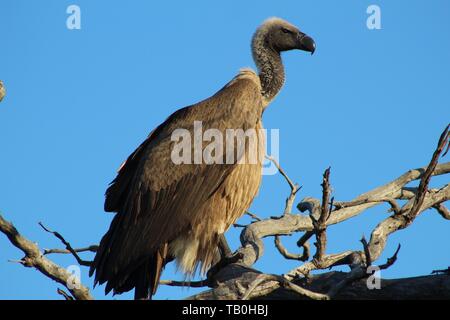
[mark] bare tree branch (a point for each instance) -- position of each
(34, 258)
(443, 211)
(320, 225)
(390, 261)
(192, 284)
(64, 294)
(253, 216)
(234, 277)
(294, 187)
(394, 205)
(425, 179)
(291, 256)
(91, 248)
(367, 256)
(68, 246)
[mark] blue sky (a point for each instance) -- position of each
(370, 103)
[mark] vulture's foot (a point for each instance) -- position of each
(223, 262)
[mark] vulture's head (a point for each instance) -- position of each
(280, 35)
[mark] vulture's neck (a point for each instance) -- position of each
(270, 67)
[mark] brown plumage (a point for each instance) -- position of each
(169, 211)
(2, 91)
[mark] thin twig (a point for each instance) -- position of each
(92, 248)
(68, 246)
(253, 216)
(192, 284)
(293, 186)
(64, 294)
(238, 225)
(346, 204)
(390, 261)
(285, 253)
(366, 251)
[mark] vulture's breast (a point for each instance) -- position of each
(223, 208)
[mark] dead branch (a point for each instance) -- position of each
(422, 200)
(253, 216)
(390, 261)
(442, 210)
(68, 246)
(34, 258)
(394, 205)
(240, 275)
(192, 284)
(303, 243)
(64, 294)
(91, 248)
(425, 179)
(320, 225)
(252, 247)
(408, 212)
(293, 186)
(328, 261)
(367, 256)
(291, 256)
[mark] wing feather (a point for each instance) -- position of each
(154, 198)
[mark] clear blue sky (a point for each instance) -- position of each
(370, 103)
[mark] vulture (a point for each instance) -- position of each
(180, 211)
(2, 91)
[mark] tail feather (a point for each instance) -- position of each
(144, 279)
(148, 276)
(142, 274)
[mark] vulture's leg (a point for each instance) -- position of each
(224, 248)
(226, 257)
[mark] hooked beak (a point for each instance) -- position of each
(306, 43)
